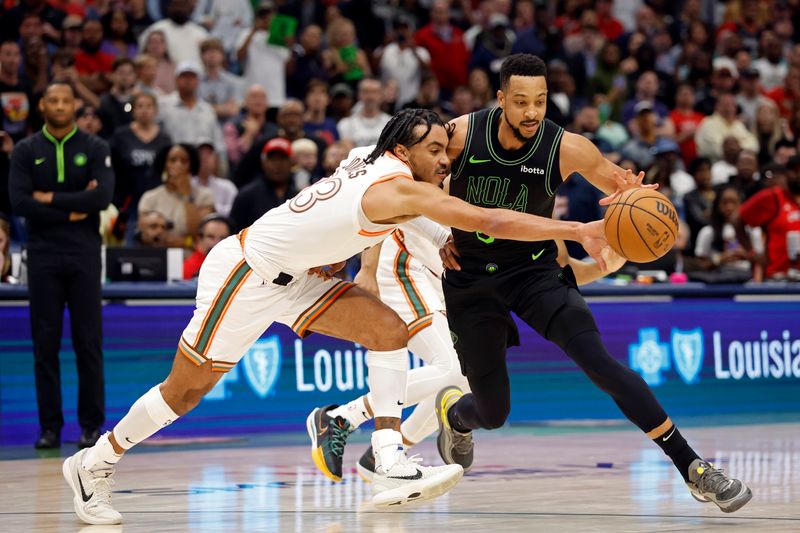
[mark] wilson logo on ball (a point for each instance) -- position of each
(664, 209)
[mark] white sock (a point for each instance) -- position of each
(387, 445)
(101, 456)
(422, 421)
(146, 416)
(388, 374)
(354, 412)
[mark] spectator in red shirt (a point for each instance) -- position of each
(445, 43)
(787, 96)
(606, 23)
(92, 63)
(777, 211)
(213, 228)
(686, 120)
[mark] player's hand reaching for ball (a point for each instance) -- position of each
(449, 255)
(592, 237)
(626, 183)
(614, 261)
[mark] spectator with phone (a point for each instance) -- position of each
(402, 60)
(182, 36)
(264, 63)
(345, 61)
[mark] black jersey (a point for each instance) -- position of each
(525, 180)
(64, 166)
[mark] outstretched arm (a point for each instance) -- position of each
(579, 154)
(391, 200)
(587, 272)
(436, 233)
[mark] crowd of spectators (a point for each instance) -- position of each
(218, 110)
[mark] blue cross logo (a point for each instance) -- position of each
(649, 356)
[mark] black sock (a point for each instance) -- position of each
(676, 447)
(455, 421)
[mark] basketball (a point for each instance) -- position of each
(641, 225)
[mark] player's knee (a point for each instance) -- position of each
(588, 350)
(451, 374)
(574, 330)
(389, 332)
(190, 399)
(184, 399)
(495, 417)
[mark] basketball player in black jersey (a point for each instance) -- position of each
(512, 157)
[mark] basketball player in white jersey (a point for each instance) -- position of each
(264, 275)
(404, 272)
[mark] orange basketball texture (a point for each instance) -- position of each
(641, 225)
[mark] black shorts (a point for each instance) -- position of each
(479, 307)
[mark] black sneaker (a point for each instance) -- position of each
(366, 465)
(328, 437)
(709, 484)
(48, 440)
(88, 438)
(454, 447)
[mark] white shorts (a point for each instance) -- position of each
(408, 286)
(234, 306)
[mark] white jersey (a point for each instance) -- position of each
(325, 222)
(422, 236)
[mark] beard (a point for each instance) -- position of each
(516, 131)
(59, 123)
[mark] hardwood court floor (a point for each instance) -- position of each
(611, 481)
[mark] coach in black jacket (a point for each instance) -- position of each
(60, 180)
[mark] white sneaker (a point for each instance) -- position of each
(92, 491)
(407, 481)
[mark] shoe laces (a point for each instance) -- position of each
(713, 480)
(340, 430)
(462, 442)
(404, 462)
(101, 486)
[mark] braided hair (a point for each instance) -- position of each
(400, 130)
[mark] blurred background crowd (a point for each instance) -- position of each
(216, 111)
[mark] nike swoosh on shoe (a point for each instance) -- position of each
(418, 475)
(83, 492)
